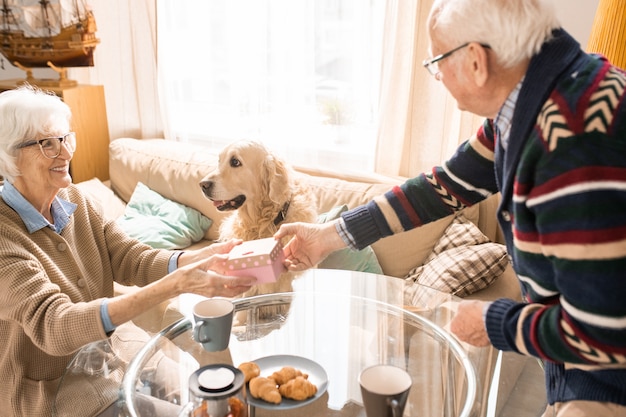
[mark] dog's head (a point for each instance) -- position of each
(246, 172)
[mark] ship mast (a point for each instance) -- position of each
(77, 10)
(7, 17)
(46, 19)
(79, 16)
(7, 20)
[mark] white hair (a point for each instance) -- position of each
(27, 113)
(514, 29)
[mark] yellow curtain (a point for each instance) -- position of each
(608, 33)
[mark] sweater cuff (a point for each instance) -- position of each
(172, 265)
(361, 227)
(495, 322)
(109, 327)
(340, 227)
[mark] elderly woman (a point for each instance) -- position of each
(59, 258)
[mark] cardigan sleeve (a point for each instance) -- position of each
(465, 179)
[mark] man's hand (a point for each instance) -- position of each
(468, 324)
(310, 244)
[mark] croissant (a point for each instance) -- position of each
(285, 374)
(265, 389)
(298, 389)
(250, 370)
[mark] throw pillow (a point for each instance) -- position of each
(462, 262)
(349, 259)
(161, 223)
(461, 232)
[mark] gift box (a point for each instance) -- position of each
(262, 259)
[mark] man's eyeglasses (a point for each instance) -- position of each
(432, 64)
(51, 147)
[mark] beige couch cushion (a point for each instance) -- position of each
(172, 169)
(106, 201)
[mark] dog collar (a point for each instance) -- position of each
(282, 214)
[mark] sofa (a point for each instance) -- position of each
(172, 171)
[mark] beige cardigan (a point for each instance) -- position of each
(51, 289)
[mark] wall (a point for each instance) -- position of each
(577, 17)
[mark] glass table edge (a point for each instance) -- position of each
(127, 389)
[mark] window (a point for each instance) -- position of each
(302, 76)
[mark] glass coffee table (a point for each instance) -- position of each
(332, 325)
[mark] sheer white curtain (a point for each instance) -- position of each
(299, 99)
(126, 65)
(420, 125)
(300, 75)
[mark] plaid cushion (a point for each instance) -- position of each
(463, 262)
(461, 232)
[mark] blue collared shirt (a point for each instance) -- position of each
(505, 116)
(61, 211)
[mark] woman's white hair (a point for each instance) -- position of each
(514, 29)
(27, 113)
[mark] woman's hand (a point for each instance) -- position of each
(207, 277)
(310, 244)
(189, 257)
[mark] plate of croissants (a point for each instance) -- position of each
(282, 382)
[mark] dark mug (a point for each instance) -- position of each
(385, 390)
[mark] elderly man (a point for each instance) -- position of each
(555, 137)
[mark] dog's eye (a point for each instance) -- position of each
(234, 162)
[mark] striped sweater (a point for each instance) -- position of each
(562, 180)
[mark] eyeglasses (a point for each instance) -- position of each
(51, 147)
(432, 64)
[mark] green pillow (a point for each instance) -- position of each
(349, 259)
(161, 223)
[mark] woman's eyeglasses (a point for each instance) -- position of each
(51, 147)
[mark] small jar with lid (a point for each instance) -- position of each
(216, 391)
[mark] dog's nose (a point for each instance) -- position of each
(207, 187)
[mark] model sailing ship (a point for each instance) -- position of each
(42, 33)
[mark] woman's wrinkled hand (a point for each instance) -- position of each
(208, 278)
(189, 257)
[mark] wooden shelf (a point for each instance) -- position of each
(89, 121)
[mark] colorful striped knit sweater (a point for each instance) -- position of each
(563, 213)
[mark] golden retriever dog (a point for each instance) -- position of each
(262, 192)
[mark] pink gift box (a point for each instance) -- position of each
(262, 259)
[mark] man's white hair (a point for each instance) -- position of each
(514, 29)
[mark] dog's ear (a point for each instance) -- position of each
(276, 180)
